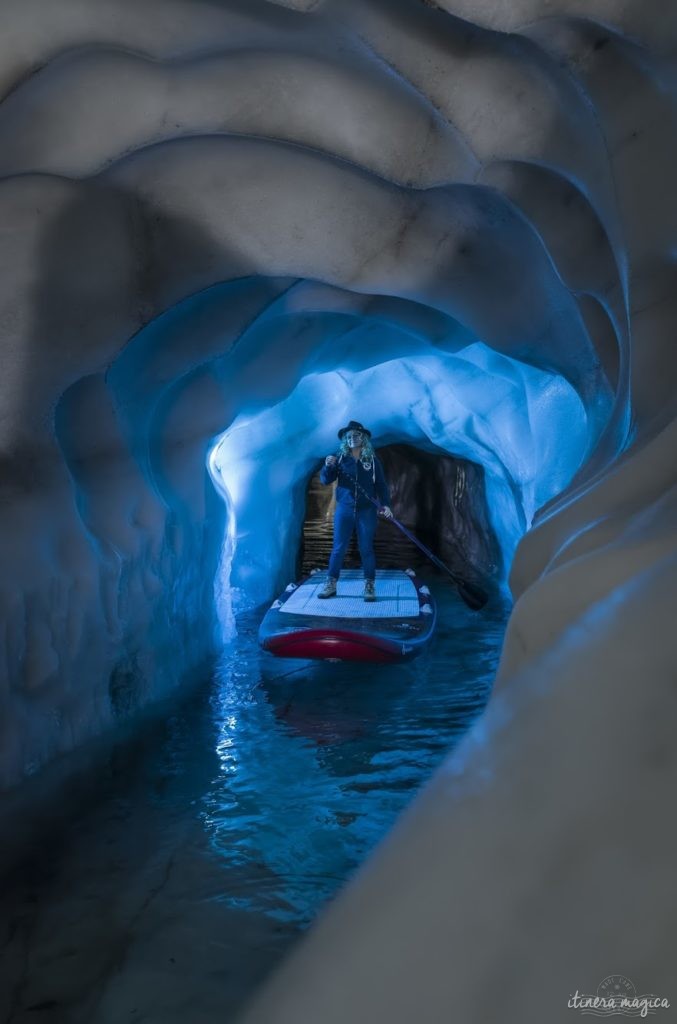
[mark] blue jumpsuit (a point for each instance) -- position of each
(354, 511)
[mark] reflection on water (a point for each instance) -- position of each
(209, 844)
(316, 759)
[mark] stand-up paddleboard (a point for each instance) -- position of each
(394, 627)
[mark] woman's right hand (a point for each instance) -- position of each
(331, 460)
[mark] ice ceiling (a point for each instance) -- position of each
(220, 219)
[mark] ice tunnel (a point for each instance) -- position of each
(230, 226)
(527, 428)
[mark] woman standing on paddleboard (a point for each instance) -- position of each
(360, 478)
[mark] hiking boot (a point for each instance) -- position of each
(329, 589)
(369, 590)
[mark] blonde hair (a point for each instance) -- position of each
(367, 453)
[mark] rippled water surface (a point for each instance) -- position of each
(208, 847)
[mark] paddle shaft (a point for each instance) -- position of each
(474, 593)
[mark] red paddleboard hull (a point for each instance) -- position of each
(339, 645)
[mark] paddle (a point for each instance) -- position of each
(475, 597)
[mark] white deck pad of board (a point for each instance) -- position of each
(396, 597)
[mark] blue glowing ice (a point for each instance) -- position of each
(526, 427)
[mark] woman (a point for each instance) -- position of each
(360, 477)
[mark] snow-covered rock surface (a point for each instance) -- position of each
(209, 209)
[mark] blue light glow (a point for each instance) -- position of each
(526, 427)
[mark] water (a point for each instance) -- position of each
(211, 843)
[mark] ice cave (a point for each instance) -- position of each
(229, 229)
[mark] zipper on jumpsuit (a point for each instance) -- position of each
(354, 496)
(373, 472)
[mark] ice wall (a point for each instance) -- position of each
(201, 203)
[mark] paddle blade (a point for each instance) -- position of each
(474, 597)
